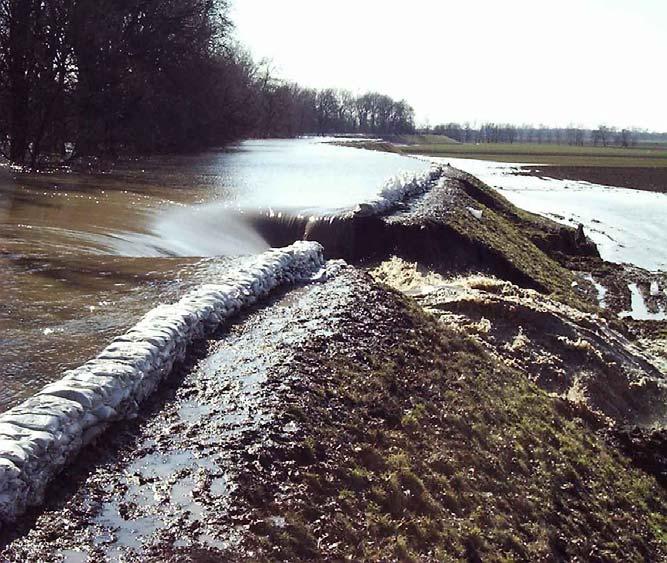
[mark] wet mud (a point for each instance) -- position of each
(161, 484)
(572, 354)
(652, 179)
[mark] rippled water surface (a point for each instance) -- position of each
(84, 255)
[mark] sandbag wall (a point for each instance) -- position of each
(40, 436)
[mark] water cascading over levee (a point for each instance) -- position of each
(352, 234)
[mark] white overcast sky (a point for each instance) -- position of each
(585, 62)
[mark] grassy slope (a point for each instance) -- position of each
(517, 235)
(418, 446)
(505, 235)
(421, 140)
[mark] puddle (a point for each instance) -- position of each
(192, 412)
(181, 495)
(639, 311)
(126, 533)
(160, 465)
(655, 289)
(210, 541)
(219, 486)
(601, 290)
(72, 556)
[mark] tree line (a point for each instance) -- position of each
(288, 109)
(576, 136)
(82, 78)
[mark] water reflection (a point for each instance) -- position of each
(84, 255)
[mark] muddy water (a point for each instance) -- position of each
(83, 255)
(76, 266)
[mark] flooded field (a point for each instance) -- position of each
(83, 256)
(627, 225)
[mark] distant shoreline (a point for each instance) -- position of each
(633, 168)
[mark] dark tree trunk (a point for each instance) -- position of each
(19, 39)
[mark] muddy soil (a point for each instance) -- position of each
(573, 354)
(652, 179)
(279, 440)
(614, 288)
(631, 299)
(161, 484)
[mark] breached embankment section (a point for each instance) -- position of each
(352, 234)
(43, 434)
(444, 219)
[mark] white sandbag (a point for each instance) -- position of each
(397, 190)
(41, 435)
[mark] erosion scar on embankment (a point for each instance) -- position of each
(346, 419)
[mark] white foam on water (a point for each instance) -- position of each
(397, 189)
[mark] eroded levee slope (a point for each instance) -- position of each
(578, 355)
(469, 418)
(340, 420)
(448, 220)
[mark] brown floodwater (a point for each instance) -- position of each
(80, 260)
(83, 255)
(78, 264)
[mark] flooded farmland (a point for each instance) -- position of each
(627, 225)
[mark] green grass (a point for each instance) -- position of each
(509, 231)
(421, 140)
(427, 449)
(563, 155)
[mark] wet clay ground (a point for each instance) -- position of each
(652, 179)
(614, 285)
(332, 422)
(161, 484)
